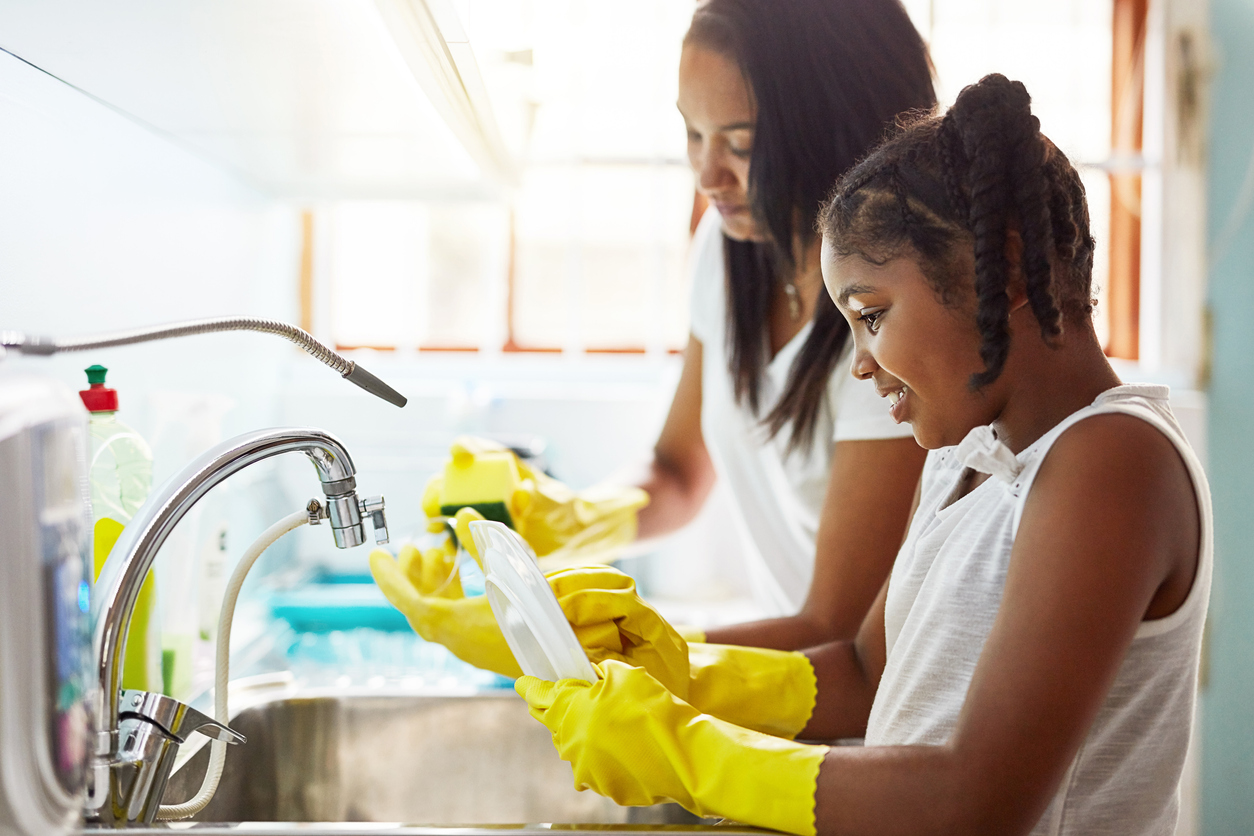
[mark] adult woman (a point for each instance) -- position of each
(814, 463)
(821, 476)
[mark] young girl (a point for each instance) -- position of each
(1030, 666)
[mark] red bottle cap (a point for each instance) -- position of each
(98, 398)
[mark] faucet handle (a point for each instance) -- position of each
(212, 729)
(176, 719)
(372, 506)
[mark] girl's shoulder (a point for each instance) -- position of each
(1118, 484)
(1127, 435)
(1128, 430)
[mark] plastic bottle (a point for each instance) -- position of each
(120, 478)
(183, 425)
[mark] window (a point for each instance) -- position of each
(586, 252)
(1062, 53)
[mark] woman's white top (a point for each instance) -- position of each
(778, 497)
(943, 597)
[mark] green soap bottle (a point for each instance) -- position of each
(120, 478)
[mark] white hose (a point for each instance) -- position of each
(222, 664)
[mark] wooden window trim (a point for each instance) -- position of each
(512, 346)
(306, 278)
(1127, 109)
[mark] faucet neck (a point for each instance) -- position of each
(117, 588)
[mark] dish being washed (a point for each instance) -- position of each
(526, 609)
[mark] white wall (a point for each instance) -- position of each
(108, 224)
(105, 224)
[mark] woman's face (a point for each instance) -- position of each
(920, 352)
(719, 112)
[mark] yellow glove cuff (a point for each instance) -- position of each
(628, 738)
(770, 691)
(690, 634)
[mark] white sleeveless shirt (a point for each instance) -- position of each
(943, 596)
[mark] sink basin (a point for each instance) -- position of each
(463, 761)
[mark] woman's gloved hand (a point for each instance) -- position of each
(770, 691)
(630, 739)
(562, 526)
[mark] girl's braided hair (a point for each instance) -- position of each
(966, 180)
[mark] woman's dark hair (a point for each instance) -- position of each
(829, 78)
(965, 181)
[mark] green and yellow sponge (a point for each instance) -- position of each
(481, 475)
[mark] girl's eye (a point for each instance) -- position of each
(742, 153)
(871, 318)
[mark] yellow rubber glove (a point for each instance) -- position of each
(628, 738)
(563, 527)
(771, 691)
(690, 634)
(425, 587)
(612, 622)
(600, 603)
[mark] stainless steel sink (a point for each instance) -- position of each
(392, 757)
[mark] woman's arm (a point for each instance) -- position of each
(1109, 537)
(866, 510)
(680, 475)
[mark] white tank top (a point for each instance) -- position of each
(944, 594)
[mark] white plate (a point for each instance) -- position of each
(525, 607)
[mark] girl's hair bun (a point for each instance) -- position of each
(997, 172)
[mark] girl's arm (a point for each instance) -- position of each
(865, 513)
(680, 475)
(1109, 537)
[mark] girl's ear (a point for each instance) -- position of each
(1016, 287)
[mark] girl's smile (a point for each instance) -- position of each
(897, 397)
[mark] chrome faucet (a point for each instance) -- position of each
(136, 741)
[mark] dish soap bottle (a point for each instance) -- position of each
(121, 477)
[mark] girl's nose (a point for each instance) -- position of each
(864, 364)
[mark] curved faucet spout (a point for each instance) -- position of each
(113, 598)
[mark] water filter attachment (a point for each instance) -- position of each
(525, 607)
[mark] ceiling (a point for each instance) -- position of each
(303, 99)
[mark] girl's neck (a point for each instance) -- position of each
(1046, 383)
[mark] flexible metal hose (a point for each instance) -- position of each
(28, 344)
(299, 336)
